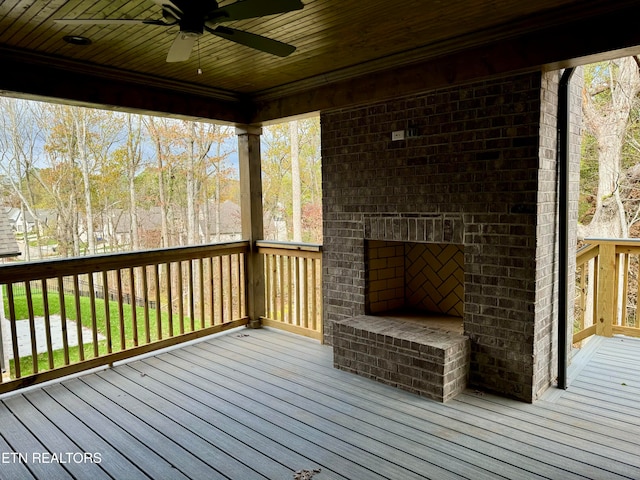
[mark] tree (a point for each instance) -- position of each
(292, 180)
(609, 98)
(20, 146)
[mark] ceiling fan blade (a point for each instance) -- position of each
(252, 9)
(181, 47)
(252, 40)
(106, 21)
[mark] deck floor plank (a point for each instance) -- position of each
(163, 442)
(292, 421)
(22, 442)
(126, 446)
(531, 443)
(263, 404)
(12, 467)
(284, 397)
(449, 434)
(203, 455)
(240, 458)
(116, 465)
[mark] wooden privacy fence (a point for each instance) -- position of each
(607, 288)
(86, 312)
(293, 287)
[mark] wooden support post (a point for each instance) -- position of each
(606, 291)
(252, 223)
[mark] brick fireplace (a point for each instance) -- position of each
(411, 335)
(478, 176)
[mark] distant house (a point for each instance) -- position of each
(228, 229)
(22, 222)
(8, 244)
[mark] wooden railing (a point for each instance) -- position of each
(293, 283)
(607, 288)
(86, 312)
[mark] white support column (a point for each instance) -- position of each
(252, 221)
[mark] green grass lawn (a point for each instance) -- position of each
(102, 326)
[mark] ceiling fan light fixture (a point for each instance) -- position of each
(77, 40)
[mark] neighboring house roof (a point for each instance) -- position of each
(230, 218)
(8, 244)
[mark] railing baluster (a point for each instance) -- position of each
(625, 285)
(156, 284)
(192, 316)
(170, 301)
(145, 296)
(239, 283)
(123, 344)
(583, 294)
(636, 323)
(305, 293)
(297, 297)
(14, 330)
(133, 303)
(280, 262)
(47, 323)
(107, 312)
(180, 297)
(290, 290)
(243, 283)
(201, 286)
(212, 320)
(229, 288)
(32, 326)
(596, 281)
(314, 310)
(220, 291)
(267, 285)
(63, 320)
(94, 320)
(76, 295)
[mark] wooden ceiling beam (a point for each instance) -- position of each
(27, 75)
(575, 42)
(595, 35)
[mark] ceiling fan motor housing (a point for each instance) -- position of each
(191, 24)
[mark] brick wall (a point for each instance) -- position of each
(476, 158)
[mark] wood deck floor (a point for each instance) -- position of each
(265, 404)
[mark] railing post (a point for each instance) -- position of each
(606, 291)
(252, 224)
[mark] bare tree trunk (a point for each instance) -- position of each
(608, 123)
(296, 182)
(191, 187)
(133, 152)
(157, 141)
(80, 122)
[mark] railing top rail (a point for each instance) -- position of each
(303, 247)
(616, 241)
(104, 262)
(586, 253)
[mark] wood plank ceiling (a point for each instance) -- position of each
(335, 40)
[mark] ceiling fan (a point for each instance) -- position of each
(194, 17)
